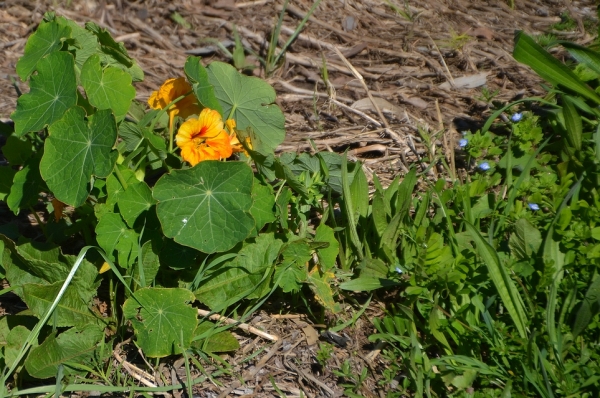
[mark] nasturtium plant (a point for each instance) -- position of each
(206, 207)
(250, 102)
(108, 88)
(75, 150)
(53, 90)
(163, 319)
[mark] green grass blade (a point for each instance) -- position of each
(349, 208)
(38, 327)
(297, 31)
(504, 285)
(528, 52)
(573, 124)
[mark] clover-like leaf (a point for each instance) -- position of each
(250, 101)
(163, 320)
(206, 207)
(76, 150)
(53, 90)
(107, 89)
(48, 37)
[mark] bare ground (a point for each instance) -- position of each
(405, 58)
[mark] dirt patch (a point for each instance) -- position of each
(412, 57)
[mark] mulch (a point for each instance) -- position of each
(410, 57)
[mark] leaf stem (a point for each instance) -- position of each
(120, 177)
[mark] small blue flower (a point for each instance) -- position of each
(485, 166)
(399, 270)
(463, 142)
(533, 206)
(516, 117)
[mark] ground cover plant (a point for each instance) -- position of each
(180, 203)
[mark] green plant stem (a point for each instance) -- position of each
(171, 134)
(120, 177)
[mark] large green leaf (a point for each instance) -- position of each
(526, 240)
(250, 101)
(198, 77)
(263, 202)
(206, 207)
(108, 88)
(590, 307)
(327, 255)
(15, 339)
(71, 310)
(163, 320)
(7, 174)
(53, 90)
(504, 285)
(239, 278)
(26, 186)
(113, 235)
(135, 200)
(48, 37)
(573, 123)
(148, 266)
(549, 68)
(115, 54)
(76, 150)
(45, 260)
(17, 272)
(75, 345)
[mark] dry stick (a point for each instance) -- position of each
(243, 326)
(443, 62)
(309, 93)
(356, 74)
(373, 354)
(254, 371)
(133, 370)
(359, 113)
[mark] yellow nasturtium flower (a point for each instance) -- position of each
(204, 138)
(170, 90)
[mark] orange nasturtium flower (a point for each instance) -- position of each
(172, 89)
(236, 146)
(204, 138)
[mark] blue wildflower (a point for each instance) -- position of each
(463, 142)
(533, 206)
(485, 166)
(399, 270)
(516, 117)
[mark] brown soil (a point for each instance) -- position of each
(404, 59)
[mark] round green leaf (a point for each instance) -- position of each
(206, 207)
(163, 320)
(113, 234)
(48, 38)
(76, 150)
(53, 90)
(107, 89)
(135, 200)
(250, 101)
